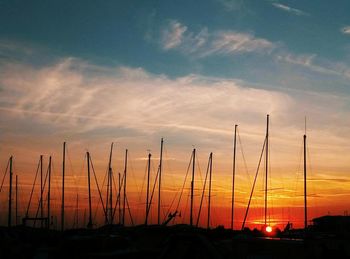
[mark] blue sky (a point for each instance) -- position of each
(129, 33)
(92, 72)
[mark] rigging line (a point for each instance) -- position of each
(298, 174)
(243, 156)
(244, 160)
(204, 185)
(199, 169)
(132, 174)
(310, 170)
(183, 186)
(98, 188)
(117, 191)
(31, 193)
(131, 219)
(154, 186)
(143, 183)
(43, 188)
(270, 211)
(186, 205)
(256, 175)
(165, 214)
(3, 179)
(118, 196)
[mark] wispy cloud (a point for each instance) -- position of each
(289, 9)
(345, 30)
(173, 35)
(232, 5)
(205, 43)
(230, 42)
(309, 62)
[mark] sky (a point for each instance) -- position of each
(131, 72)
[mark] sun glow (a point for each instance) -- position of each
(268, 229)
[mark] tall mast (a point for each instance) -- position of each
(49, 196)
(233, 175)
(109, 189)
(41, 189)
(16, 208)
(266, 164)
(209, 195)
(160, 177)
(119, 197)
(10, 195)
(192, 185)
(63, 174)
(89, 225)
(125, 173)
(147, 194)
(305, 204)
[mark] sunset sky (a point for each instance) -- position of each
(131, 72)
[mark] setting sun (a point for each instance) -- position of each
(268, 229)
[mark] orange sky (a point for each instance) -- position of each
(285, 198)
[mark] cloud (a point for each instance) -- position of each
(289, 9)
(345, 30)
(173, 35)
(205, 43)
(230, 42)
(93, 105)
(72, 93)
(232, 5)
(320, 66)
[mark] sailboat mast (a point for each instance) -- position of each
(209, 195)
(147, 194)
(49, 196)
(89, 225)
(10, 195)
(160, 177)
(266, 165)
(16, 202)
(233, 175)
(124, 187)
(41, 189)
(119, 192)
(109, 189)
(192, 186)
(305, 200)
(63, 175)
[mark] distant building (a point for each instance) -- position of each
(334, 224)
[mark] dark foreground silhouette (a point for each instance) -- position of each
(180, 241)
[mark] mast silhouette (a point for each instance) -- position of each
(10, 195)
(119, 198)
(147, 194)
(233, 176)
(266, 164)
(192, 186)
(41, 189)
(124, 187)
(160, 177)
(109, 190)
(209, 195)
(89, 225)
(49, 196)
(16, 202)
(305, 200)
(63, 175)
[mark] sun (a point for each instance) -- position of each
(268, 229)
